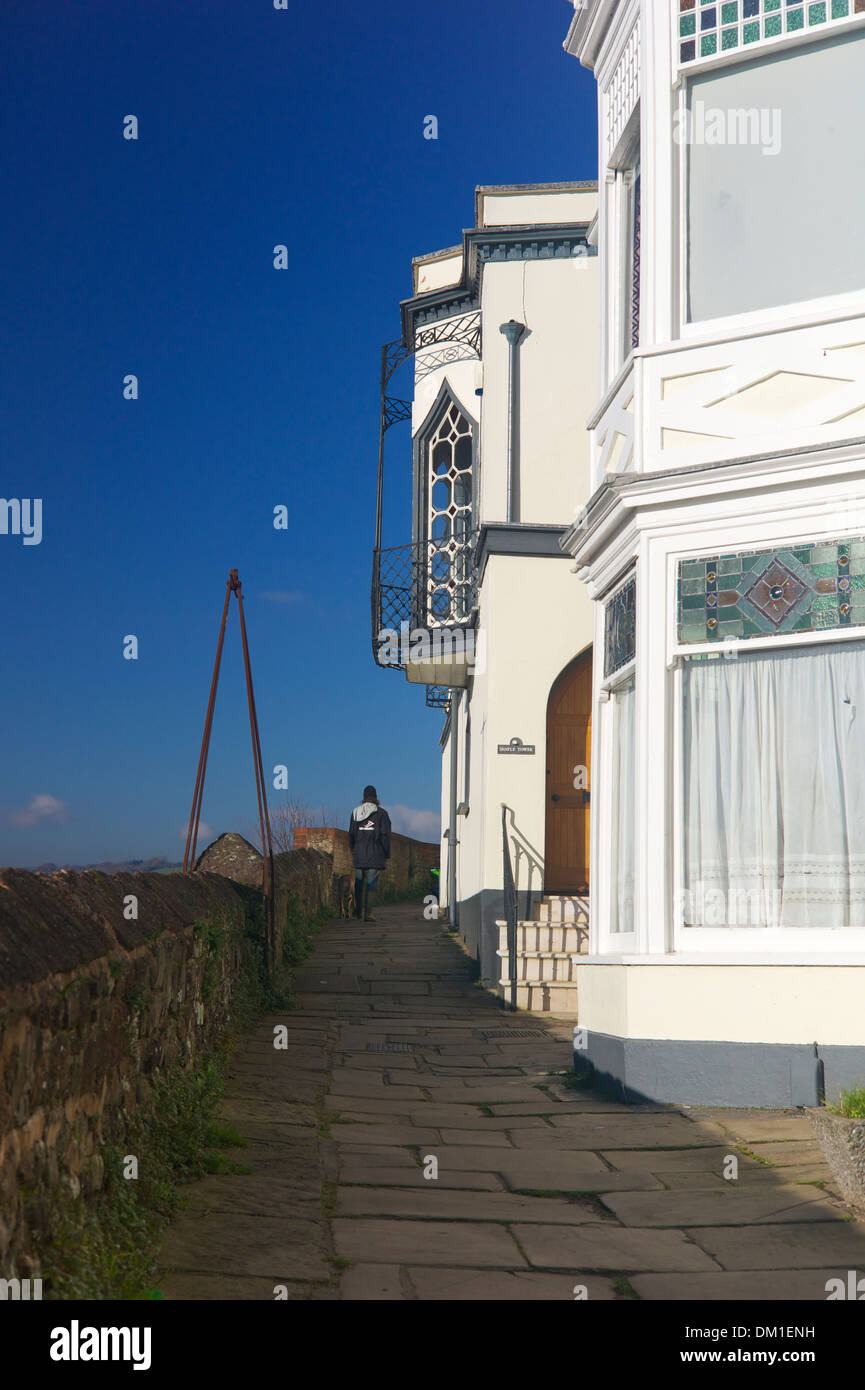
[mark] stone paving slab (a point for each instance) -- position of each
(610, 1247)
(440, 1115)
(461, 1206)
(515, 1160)
(777, 1285)
(607, 1132)
(387, 1134)
(789, 1246)
(475, 1244)
(413, 1177)
(782, 1155)
(227, 1287)
(372, 1154)
(371, 1105)
(674, 1160)
(257, 1194)
(728, 1206)
(494, 1286)
(276, 1247)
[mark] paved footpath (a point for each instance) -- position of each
(398, 1067)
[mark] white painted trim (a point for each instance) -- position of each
(792, 959)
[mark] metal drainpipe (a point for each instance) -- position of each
(513, 331)
(456, 700)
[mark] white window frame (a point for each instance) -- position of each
(796, 314)
(772, 943)
(610, 943)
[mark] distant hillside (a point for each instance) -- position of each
(127, 866)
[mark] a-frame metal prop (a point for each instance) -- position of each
(233, 587)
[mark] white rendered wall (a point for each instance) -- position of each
(557, 300)
(803, 1003)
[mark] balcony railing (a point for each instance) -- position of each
(429, 585)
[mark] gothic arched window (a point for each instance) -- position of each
(447, 510)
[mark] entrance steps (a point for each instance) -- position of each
(546, 946)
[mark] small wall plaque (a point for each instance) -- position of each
(516, 745)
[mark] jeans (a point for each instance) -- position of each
(371, 883)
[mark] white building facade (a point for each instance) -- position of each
(724, 550)
(502, 330)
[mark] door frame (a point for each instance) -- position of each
(586, 655)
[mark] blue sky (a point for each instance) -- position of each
(257, 387)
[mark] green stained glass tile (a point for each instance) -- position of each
(734, 629)
(772, 26)
(692, 634)
(692, 569)
(824, 554)
(692, 586)
(817, 13)
(732, 565)
(708, 45)
(749, 561)
(795, 20)
(803, 556)
(857, 581)
(828, 571)
(750, 629)
(729, 13)
(750, 33)
(840, 8)
(770, 5)
(857, 564)
(729, 39)
(687, 26)
(693, 601)
(802, 624)
(856, 547)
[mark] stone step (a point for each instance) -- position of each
(555, 907)
(566, 937)
(543, 997)
(541, 965)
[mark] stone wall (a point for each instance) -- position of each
(408, 867)
(106, 982)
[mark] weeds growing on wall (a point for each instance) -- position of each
(103, 1247)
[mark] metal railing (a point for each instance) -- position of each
(510, 895)
(429, 584)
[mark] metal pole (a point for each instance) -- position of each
(513, 331)
(198, 794)
(456, 699)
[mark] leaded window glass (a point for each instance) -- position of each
(620, 628)
(706, 29)
(807, 587)
(450, 452)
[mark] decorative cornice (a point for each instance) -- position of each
(485, 245)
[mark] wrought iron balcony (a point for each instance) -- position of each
(425, 591)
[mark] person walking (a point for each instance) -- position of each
(369, 837)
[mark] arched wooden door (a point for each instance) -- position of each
(569, 739)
